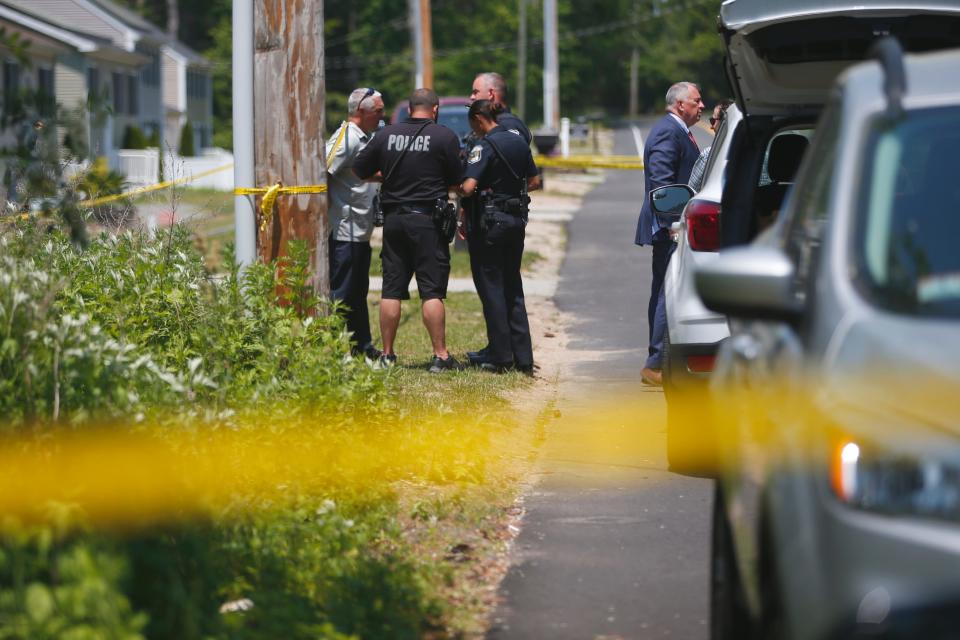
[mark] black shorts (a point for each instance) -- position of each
(412, 245)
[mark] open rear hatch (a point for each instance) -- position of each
(784, 55)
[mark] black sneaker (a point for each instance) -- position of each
(476, 358)
(387, 360)
(367, 351)
(439, 365)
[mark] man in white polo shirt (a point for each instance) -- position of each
(350, 211)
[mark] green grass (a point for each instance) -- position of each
(466, 331)
(209, 199)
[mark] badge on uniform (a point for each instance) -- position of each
(475, 154)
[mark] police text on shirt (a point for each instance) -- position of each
(398, 142)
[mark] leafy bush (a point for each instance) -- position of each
(136, 322)
(186, 140)
(133, 138)
(52, 587)
(136, 325)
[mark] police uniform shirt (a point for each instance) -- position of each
(514, 125)
(486, 167)
(350, 198)
(426, 171)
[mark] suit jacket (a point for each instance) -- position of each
(668, 158)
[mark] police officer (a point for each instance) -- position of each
(499, 173)
(491, 86)
(418, 162)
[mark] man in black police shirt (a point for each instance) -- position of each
(418, 162)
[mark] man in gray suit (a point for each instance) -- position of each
(668, 158)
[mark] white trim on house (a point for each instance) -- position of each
(81, 44)
(131, 35)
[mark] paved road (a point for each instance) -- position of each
(612, 544)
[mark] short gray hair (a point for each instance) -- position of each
(495, 81)
(359, 99)
(679, 91)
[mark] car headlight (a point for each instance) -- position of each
(870, 478)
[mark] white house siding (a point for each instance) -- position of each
(70, 80)
(74, 15)
(70, 83)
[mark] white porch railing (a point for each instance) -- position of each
(141, 167)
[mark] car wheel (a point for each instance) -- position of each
(772, 618)
(729, 619)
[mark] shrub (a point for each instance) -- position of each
(133, 138)
(186, 140)
(135, 322)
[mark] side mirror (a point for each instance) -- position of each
(749, 282)
(668, 202)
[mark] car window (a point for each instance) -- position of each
(764, 172)
(455, 117)
(910, 215)
(716, 145)
(811, 199)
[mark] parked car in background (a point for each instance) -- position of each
(837, 510)
(453, 114)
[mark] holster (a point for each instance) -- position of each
(445, 219)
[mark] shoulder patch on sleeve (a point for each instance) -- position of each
(475, 154)
(516, 131)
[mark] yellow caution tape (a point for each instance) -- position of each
(266, 206)
(154, 187)
(591, 162)
(270, 196)
(257, 191)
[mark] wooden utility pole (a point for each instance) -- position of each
(289, 133)
(633, 109)
(426, 33)
(422, 33)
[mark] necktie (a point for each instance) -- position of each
(690, 133)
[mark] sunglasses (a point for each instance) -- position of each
(370, 92)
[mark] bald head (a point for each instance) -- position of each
(423, 103)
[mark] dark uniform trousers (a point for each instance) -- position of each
(496, 274)
(350, 283)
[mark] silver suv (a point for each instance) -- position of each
(837, 510)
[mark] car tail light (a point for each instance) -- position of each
(703, 225)
(701, 364)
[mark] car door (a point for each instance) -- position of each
(761, 367)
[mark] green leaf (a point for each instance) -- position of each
(39, 602)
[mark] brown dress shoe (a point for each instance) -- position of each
(651, 377)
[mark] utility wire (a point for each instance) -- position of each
(356, 62)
